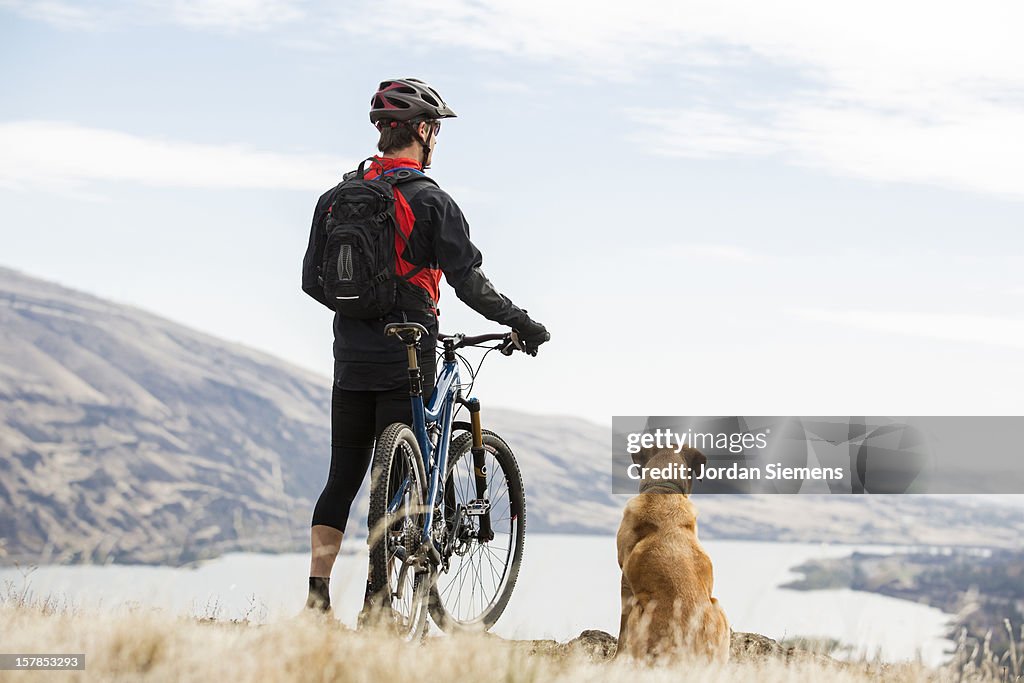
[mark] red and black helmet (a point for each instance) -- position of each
(406, 99)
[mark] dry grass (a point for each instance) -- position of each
(144, 644)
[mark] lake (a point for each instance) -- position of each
(567, 584)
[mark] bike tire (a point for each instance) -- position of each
(396, 455)
(501, 454)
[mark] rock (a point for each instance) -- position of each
(753, 646)
(548, 648)
(598, 645)
(745, 647)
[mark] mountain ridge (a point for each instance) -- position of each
(128, 437)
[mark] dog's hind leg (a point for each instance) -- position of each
(627, 607)
(717, 633)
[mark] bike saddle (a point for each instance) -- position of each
(409, 333)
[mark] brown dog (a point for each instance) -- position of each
(667, 608)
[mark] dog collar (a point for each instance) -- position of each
(670, 486)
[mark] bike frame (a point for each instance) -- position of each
(441, 409)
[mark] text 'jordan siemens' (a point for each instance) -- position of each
(734, 472)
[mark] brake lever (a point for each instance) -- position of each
(510, 344)
(514, 343)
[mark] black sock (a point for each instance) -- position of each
(319, 593)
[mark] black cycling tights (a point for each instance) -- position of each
(357, 419)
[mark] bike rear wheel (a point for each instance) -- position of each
(481, 574)
(397, 588)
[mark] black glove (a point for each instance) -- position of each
(531, 333)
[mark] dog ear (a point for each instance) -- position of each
(697, 459)
(643, 455)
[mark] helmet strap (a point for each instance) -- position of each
(425, 144)
(414, 126)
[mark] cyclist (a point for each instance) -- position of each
(370, 370)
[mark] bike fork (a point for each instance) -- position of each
(479, 472)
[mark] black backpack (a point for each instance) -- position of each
(358, 268)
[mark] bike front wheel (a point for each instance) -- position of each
(480, 569)
(397, 586)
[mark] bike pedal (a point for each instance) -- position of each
(478, 507)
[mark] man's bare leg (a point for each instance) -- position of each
(325, 542)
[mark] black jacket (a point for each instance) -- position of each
(364, 359)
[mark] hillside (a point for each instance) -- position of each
(127, 437)
(150, 645)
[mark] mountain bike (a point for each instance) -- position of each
(447, 515)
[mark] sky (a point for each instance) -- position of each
(717, 208)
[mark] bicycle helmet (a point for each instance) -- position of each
(405, 99)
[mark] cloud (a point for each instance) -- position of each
(866, 47)
(702, 134)
(979, 151)
(59, 14)
(914, 91)
(506, 86)
(232, 15)
(67, 157)
(945, 326)
(229, 16)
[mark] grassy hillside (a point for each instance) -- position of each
(153, 646)
(133, 643)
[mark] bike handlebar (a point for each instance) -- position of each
(410, 333)
(463, 340)
(509, 342)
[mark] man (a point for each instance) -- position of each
(370, 370)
